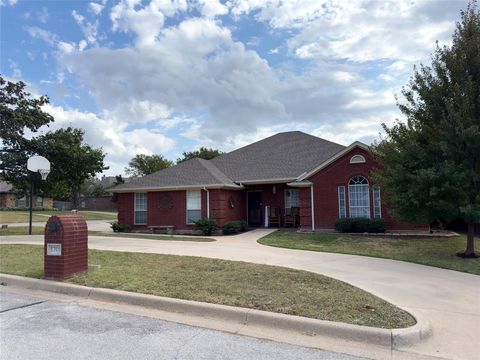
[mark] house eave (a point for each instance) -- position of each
(333, 159)
(178, 188)
(265, 181)
(300, 184)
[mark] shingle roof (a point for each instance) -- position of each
(284, 156)
(194, 172)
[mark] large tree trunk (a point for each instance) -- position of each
(75, 200)
(470, 251)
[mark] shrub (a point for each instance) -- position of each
(206, 226)
(117, 227)
(360, 225)
(234, 227)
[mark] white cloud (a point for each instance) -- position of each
(358, 30)
(43, 15)
(7, 2)
(95, 7)
(113, 137)
(145, 22)
(212, 8)
(42, 34)
(16, 72)
(89, 29)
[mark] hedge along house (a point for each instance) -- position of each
(289, 173)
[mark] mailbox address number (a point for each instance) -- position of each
(54, 249)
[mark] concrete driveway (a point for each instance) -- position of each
(449, 300)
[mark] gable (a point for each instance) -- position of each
(352, 153)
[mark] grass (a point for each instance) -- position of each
(9, 217)
(262, 287)
(22, 230)
(439, 252)
(150, 237)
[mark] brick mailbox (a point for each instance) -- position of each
(66, 246)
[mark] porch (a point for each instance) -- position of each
(278, 206)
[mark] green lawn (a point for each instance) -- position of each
(150, 237)
(21, 230)
(9, 217)
(439, 252)
(263, 287)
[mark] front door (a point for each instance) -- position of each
(254, 208)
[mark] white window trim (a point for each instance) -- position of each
(285, 198)
(186, 206)
(357, 159)
(379, 202)
(344, 202)
(368, 198)
(135, 208)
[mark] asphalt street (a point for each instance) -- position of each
(32, 328)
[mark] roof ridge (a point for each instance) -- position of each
(215, 171)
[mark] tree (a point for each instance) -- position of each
(202, 153)
(72, 162)
(19, 111)
(141, 164)
(430, 164)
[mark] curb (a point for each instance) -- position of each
(390, 338)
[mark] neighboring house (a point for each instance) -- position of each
(289, 172)
(106, 202)
(11, 200)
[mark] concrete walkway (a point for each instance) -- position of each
(449, 300)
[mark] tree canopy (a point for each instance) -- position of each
(19, 111)
(430, 163)
(72, 162)
(141, 164)
(202, 153)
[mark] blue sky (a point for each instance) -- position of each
(167, 76)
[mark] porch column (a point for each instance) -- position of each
(313, 207)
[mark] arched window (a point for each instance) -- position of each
(358, 197)
(357, 159)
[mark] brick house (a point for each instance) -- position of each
(289, 172)
(11, 200)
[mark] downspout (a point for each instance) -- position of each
(208, 202)
(313, 208)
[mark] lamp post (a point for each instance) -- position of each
(41, 165)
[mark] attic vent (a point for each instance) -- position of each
(357, 159)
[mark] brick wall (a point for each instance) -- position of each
(227, 205)
(72, 233)
(326, 182)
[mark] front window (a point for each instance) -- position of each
(359, 197)
(140, 208)
(22, 202)
(377, 203)
(39, 201)
(292, 200)
(341, 202)
(194, 206)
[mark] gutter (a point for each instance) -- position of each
(175, 188)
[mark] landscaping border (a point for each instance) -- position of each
(388, 338)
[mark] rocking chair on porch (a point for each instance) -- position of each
(274, 217)
(293, 219)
